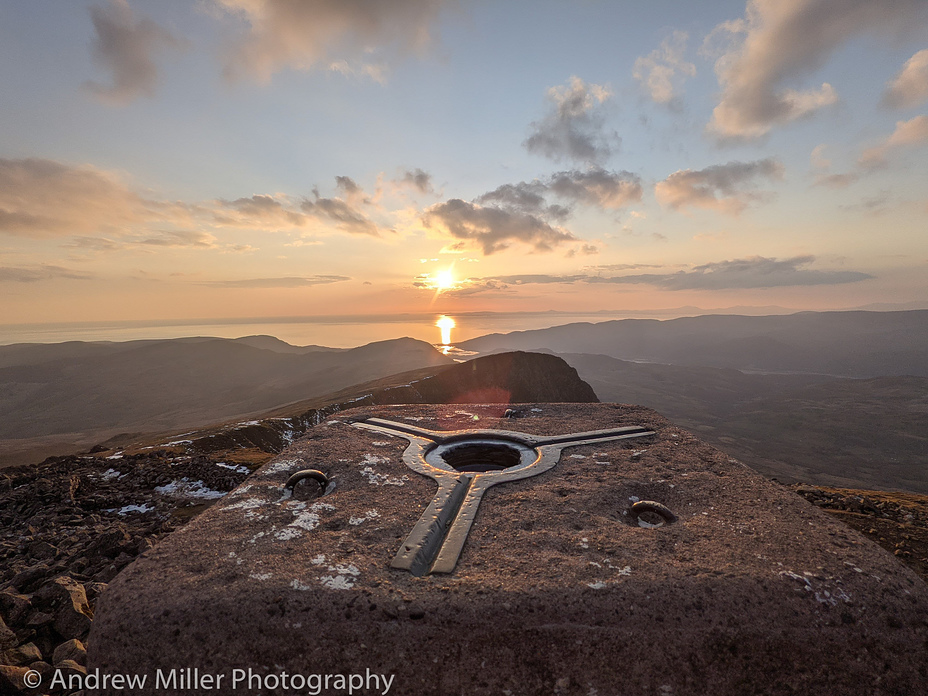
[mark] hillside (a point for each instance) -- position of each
(60, 397)
(851, 344)
(854, 433)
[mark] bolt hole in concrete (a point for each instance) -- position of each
(651, 514)
(479, 457)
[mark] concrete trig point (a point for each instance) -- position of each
(465, 464)
(556, 589)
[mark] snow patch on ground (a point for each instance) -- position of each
(141, 509)
(234, 467)
(185, 488)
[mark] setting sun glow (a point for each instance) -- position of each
(445, 324)
(444, 281)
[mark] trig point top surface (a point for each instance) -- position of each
(567, 548)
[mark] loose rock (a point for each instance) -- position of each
(7, 637)
(71, 650)
(22, 655)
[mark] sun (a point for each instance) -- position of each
(444, 280)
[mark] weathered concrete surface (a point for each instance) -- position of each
(557, 591)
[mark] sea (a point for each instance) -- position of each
(346, 331)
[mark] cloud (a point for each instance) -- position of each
(347, 217)
(663, 71)
(780, 41)
(493, 229)
(179, 238)
(910, 87)
(609, 190)
(274, 212)
(583, 250)
(821, 165)
(44, 198)
(354, 194)
(93, 244)
(753, 272)
(35, 274)
(417, 179)
(722, 187)
(572, 129)
(259, 211)
(126, 49)
(911, 133)
(348, 36)
(284, 282)
(836, 181)
(594, 186)
(527, 198)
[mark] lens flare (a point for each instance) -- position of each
(445, 324)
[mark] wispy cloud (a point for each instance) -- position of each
(573, 127)
(355, 37)
(663, 71)
(781, 41)
(417, 179)
(725, 188)
(753, 272)
(282, 282)
(34, 274)
(126, 48)
(179, 238)
(346, 215)
(44, 198)
(821, 166)
(910, 87)
(98, 211)
(260, 211)
(909, 134)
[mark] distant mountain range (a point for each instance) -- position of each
(849, 344)
(834, 398)
(58, 396)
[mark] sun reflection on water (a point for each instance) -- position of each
(445, 323)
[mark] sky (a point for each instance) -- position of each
(170, 160)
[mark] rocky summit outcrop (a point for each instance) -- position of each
(565, 584)
(508, 378)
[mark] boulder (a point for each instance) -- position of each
(14, 608)
(68, 600)
(69, 667)
(21, 655)
(70, 650)
(12, 679)
(7, 637)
